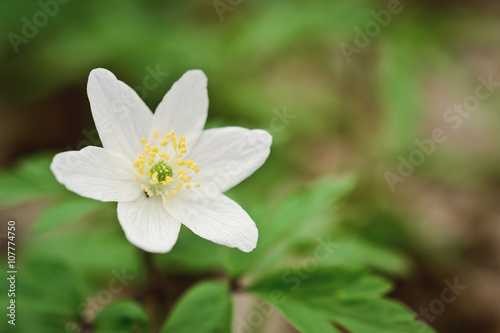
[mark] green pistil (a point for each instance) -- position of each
(163, 170)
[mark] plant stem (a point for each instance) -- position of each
(155, 292)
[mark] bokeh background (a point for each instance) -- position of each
(283, 66)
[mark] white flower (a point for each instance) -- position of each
(163, 169)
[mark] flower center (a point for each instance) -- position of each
(161, 168)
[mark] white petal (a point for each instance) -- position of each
(228, 155)
(147, 225)
(218, 219)
(96, 173)
(121, 117)
(184, 108)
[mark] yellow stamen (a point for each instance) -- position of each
(153, 185)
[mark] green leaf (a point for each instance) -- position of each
(64, 212)
(208, 302)
(30, 178)
(51, 289)
(122, 317)
(338, 282)
(305, 319)
(376, 316)
(352, 250)
(93, 245)
(350, 297)
(322, 194)
(298, 217)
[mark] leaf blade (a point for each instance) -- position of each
(211, 303)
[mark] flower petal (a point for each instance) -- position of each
(184, 108)
(147, 225)
(121, 117)
(228, 155)
(218, 219)
(96, 173)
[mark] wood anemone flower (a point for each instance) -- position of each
(163, 169)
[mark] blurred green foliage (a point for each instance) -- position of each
(77, 249)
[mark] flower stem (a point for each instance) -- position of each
(154, 291)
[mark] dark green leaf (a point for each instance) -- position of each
(350, 297)
(305, 319)
(122, 317)
(206, 308)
